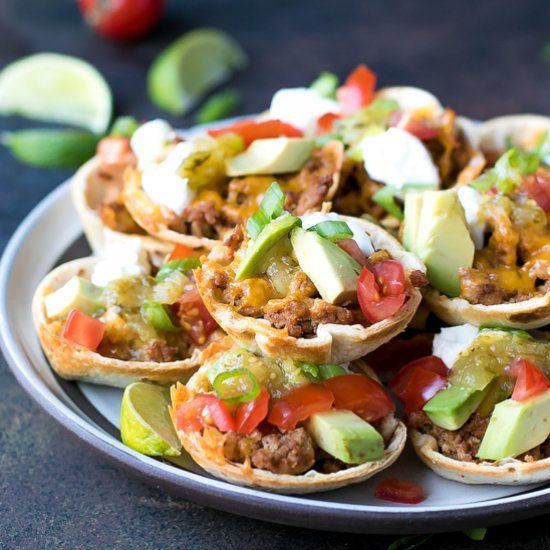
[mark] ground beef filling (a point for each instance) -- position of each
(463, 444)
(202, 220)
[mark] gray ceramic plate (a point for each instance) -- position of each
(51, 233)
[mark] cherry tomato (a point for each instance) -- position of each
(423, 385)
(360, 394)
(399, 490)
(357, 91)
(251, 130)
(401, 381)
(325, 123)
(123, 19)
(113, 150)
(83, 330)
(204, 410)
(371, 288)
(197, 323)
(181, 251)
(537, 186)
(250, 414)
(530, 380)
(352, 248)
(299, 404)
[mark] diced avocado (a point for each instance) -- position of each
(438, 234)
(268, 237)
(346, 436)
(451, 407)
(515, 427)
(332, 270)
(271, 156)
(76, 293)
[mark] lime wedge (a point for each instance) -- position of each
(56, 88)
(145, 424)
(192, 66)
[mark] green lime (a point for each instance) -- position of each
(56, 88)
(192, 66)
(145, 424)
(45, 148)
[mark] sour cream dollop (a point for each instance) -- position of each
(470, 200)
(452, 341)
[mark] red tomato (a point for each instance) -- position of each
(530, 380)
(181, 251)
(325, 123)
(83, 330)
(113, 150)
(197, 323)
(249, 415)
(357, 91)
(537, 186)
(423, 385)
(375, 305)
(299, 404)
(204, 410)
(251, 130)
(401, 381)
(399, 490)
(422, 129)
(352, 248)
(121, 18)
(360, 394)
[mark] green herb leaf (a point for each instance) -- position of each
(326, 84)
(385, 197)
(333, 230)
(476, 534)
(218, 106)
(181, 264)
(124, 126)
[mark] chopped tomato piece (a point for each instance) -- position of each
(399, 490)
(251, 130)
(361, 394)
(423, 385)
(325, 123)
(197, 323)
(182, 251)
(250, 414)
(422, 129)
(299, 404)
(113, 150)
(357, 91)
(378, 293)
(204, 410)
(530, 380)
(352, 248)
(83, 330)
(401, 381)
(537, 186)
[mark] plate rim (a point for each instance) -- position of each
(286, 509)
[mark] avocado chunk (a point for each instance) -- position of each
(76, 293)
(271, 156)
(332, 270)
(346, 436)
(436, 231)
(515, 427)
(259, 248)
(451, 407)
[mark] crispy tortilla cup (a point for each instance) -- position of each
(74, 362)
(88, 190)
(322, 172)
(507, 471)
(333, 343)
(206, 449)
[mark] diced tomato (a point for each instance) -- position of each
(182, 251)
(360, 394)
(530, 380)
(422, 129)
(251, 130)
(325, 123)
(399, 383)
(299, 404)
(399, 490)
(204, 410)
(352, 248)
(357, 91)
(371, 288)
(423, 385)
(197, 323)
(537, 186)
(113, 150)
(83, 330)
(250, 414)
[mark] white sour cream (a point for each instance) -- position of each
(452, 341)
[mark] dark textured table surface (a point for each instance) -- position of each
(481, 58)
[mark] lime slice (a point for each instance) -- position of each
(145, 424)
(192, 66)
(56, 88)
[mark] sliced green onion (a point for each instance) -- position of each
(333, 230)
(156, 315)
(511, 167)
(484, 182)
(513, 331)
(256, 223)
(218, 106)
(321, 141)
(385, 197)
(236, 386)
(124, 126)
(271, 207)
(325, 84)
(310, 370)
(181, 264)
(330, 371)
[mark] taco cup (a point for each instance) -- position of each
(283, 456)
(113, 335)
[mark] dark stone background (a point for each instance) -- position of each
(483, 58)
